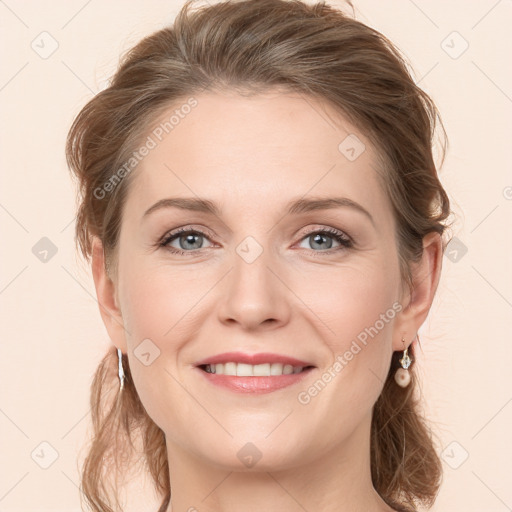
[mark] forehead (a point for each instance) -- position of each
(255, 150)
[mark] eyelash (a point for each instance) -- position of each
(339, 236)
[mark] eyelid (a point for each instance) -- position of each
(328, 229)
(186, 229)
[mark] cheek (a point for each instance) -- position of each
(158, 302)
(357, 313)
(163, 308)
(155, 310)
(149, 306)
(354, 311)
(348, 300)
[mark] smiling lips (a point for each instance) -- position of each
(237, 371)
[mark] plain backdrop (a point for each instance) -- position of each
(57, 55)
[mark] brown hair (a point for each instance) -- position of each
(253, 45)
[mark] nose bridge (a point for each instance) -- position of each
(254, 295)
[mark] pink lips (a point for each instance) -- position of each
(261, 358)
(255, 385)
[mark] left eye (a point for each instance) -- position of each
(194, 238)
(184, 237)
(318, 238)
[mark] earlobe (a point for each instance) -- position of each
(106, 295)
(426, 275)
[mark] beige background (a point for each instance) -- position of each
(52, 335)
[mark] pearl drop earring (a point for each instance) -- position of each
(402, 375)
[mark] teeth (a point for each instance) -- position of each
(250, 370)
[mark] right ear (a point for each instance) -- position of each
(107, 299)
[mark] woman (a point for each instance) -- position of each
(270, 364)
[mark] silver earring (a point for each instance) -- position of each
(121, 370)
(402, 375)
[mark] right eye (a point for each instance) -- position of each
(184, 237)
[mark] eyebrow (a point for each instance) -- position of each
(294, 207)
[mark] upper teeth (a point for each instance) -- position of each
(250, 370)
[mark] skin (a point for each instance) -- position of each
(251, 155)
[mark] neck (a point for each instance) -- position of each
(338, 480)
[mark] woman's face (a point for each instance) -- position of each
(258, 278)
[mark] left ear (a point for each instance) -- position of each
(426, 274)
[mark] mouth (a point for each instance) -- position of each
(253, 373)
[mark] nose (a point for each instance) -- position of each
(255, 294)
